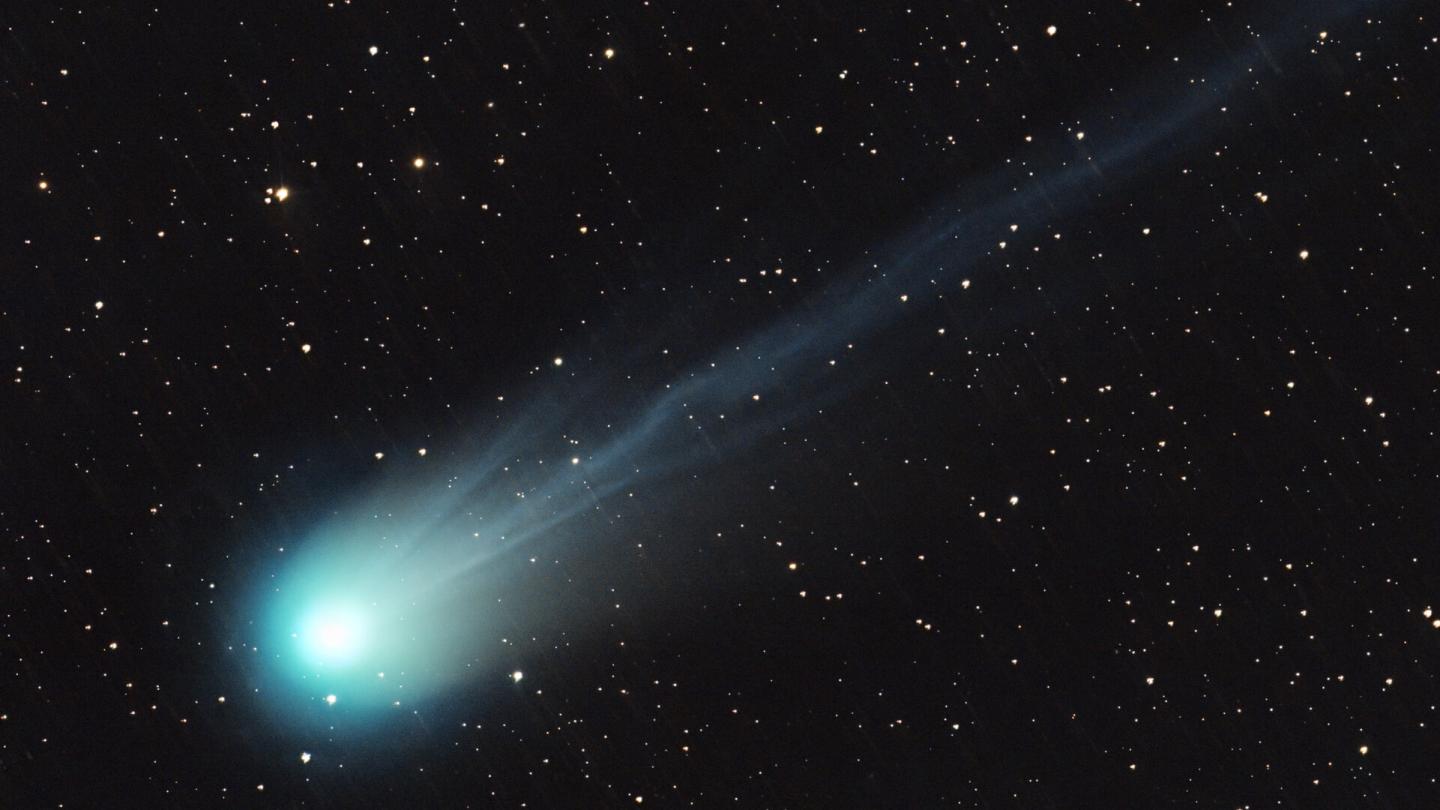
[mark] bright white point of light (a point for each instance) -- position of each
(304, 757)
(1145, 231)
(374, 49)
(1051, 31)
(1014, 500)
(1324, 34)
(99, 304)
(305, 348)
(282, 193)
(422, 451)
(274, 124)
(516, 676)
(559, 361)
(1304, 254)
(332, 637)
(1079, 136)
(379, 456)
(43, 185)
(1364, 749)
(609, 53)
(330, 700)
(965, 285)
(575, 460)
(419, 162)
(1219, 612)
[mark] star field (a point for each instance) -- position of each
(678, 404)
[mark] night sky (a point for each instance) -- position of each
(692, 404)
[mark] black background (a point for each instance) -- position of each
(151, 452)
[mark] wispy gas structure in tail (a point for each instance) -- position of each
(387, 601)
